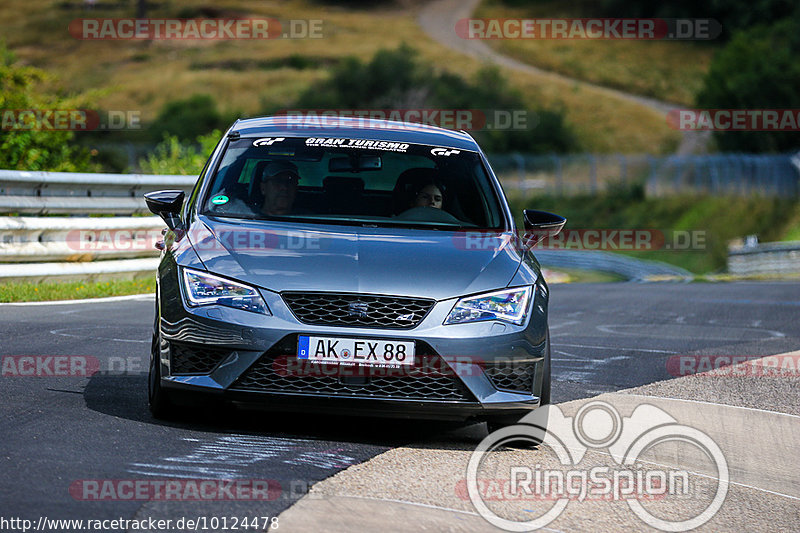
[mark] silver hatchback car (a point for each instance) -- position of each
(360, 267)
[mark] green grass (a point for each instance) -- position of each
(721, 219)
(588, 276)
(73, 290)
(792, 232)
(668, 70)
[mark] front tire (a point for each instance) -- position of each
(158, 399)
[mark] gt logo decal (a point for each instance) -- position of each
(444, 151)
(268, 141)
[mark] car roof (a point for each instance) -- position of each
(355, 128)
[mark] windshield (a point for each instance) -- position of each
(353, 181)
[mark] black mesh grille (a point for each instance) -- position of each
(357, 310)
(189, 359)
(278, 370)
(517, 376)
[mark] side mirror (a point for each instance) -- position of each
(540, 225)
(167, 205)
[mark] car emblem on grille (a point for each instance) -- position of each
(358, 309)
(407, 318)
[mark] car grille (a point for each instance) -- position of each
(357, 310)
(279, 371)
(516, 376)
(189, 359)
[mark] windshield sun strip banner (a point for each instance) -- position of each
(357, 143)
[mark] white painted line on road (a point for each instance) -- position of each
(426, 505)
(714, 403)
(613, 329)
(84, 301)
(562, 324)
(699, 474)
(62, 334)
(614, 348)
(651, 397)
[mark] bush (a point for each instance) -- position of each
(172, 156)
(186, 119)
(31, 149)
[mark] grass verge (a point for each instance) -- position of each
(73, 290)
(586, 276)
(667, 70)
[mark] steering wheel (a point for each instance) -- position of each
(428, 214)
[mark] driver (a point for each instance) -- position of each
(279, 186)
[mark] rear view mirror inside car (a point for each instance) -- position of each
(357, 163)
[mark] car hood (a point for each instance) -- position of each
(398, 261)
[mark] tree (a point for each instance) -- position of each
(398, 79)
(757, 69)
(173, 157)
(187, 118)
(29, 149)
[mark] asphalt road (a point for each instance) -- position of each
(58, 432)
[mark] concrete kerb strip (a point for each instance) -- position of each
(756, 444)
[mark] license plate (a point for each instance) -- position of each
(368, 352)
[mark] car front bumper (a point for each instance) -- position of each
(237, 345)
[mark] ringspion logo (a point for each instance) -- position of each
(628, 474)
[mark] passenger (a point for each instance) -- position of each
(428, 194)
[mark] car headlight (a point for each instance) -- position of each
(203, 288)
(509, 305)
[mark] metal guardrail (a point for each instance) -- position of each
(628, 267)
(77, 245)
(732, 174)
(83, 246)
(68, 193)
(77, 239)
(766, 258)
